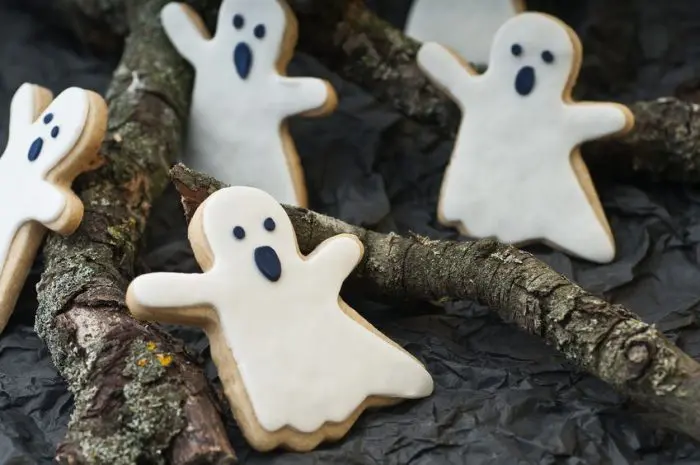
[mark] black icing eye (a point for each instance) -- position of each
(547, 56)
(54, 132)
(269, 224)
(238, 21)
(259, 31)
(48, 118)
(516, 50)
(238, 232)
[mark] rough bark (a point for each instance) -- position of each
(368, 51)
(139, 398)
(606, 340)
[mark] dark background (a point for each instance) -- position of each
(502, 397)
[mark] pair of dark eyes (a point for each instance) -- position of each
(268, 224)
(517, 50)
(259, 30)
(47, 120)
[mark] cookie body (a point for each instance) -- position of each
(242, 97)
(297, 363)
(466, 26)
(50, 143)
(516, 172)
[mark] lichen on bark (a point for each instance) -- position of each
(152, 412)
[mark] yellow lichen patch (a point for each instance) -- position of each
(151, 346)
(165, 359)
(142, 362)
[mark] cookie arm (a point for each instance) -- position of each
(307, 96)
(164, 291)
(595, 120)
(447, 71)
(185, 29)
(335, 258)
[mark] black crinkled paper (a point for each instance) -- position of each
(502, 397)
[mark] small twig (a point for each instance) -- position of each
(606, 340)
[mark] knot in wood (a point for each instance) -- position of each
(639, 357)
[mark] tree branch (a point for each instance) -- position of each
(606, 340)
(371, 53)
(139, 398)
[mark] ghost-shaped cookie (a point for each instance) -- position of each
(49, 144)
(466, 26)
(237, 128)
(298, 364)
(516, 172)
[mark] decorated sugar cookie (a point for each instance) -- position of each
(49, 144)
(516, 172)
(298, 364)
(466, 26)
(241, 98)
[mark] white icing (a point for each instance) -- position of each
(234, 125)
(466, 26)
(30, 195)
(510, 174)
(302, 360)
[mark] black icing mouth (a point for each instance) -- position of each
(35, 149)
(268, 263)
(525, 80)
(243, 59)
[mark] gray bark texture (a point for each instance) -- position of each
(139, 397)
(606, 340)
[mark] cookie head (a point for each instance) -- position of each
(255, 29)
(248, 231)
(534, 54)
(54, 134)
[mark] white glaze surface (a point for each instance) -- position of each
(30, 195)
(466, 26)
(510, 174)
(303, 361)
(234, 129)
